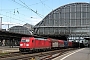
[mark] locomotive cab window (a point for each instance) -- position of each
(27, 40)
(23, 40)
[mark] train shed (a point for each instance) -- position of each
(70, 20)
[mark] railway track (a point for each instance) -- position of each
(37, 56)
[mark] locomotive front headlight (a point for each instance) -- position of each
(27, 44)
(21, 44)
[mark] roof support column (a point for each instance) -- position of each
(11, 43)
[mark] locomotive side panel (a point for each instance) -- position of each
(47, 43)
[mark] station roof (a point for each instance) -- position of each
(7, 34)
(70, 19)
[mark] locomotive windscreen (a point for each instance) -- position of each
(26, 40)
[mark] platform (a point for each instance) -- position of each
(6, 49)
(80, 54)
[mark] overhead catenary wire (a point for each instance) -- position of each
(16, 10)
(33, 4)
(11, 18)
(15, 13)
(27, 7)
(24, 7)
(32, 9)
(45, 5)
(17, 16)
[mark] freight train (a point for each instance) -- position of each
(29, 44)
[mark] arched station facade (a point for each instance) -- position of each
(67, 20)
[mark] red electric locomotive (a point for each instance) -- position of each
(31, 44)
